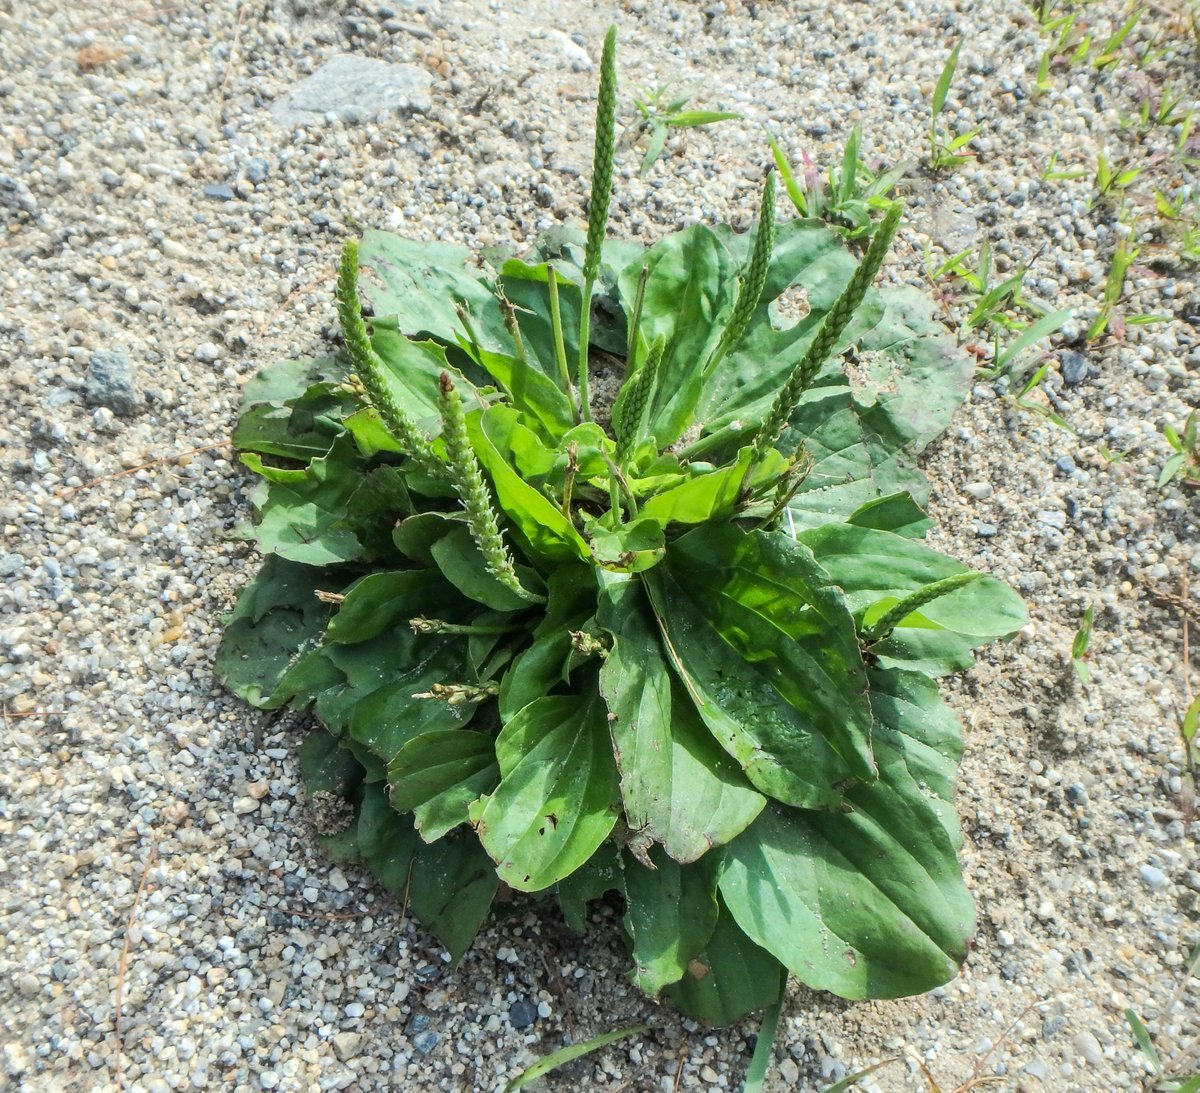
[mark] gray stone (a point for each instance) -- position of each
(257, 169)
(220, 190)
(1074, 366)
(355, 88)
(346, 1045)
(1153, 877)
(11, 565)
(426, 1041)
(112, 382)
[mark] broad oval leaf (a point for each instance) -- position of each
(873, 566)
(276, 614)
(438, 774)
(670, 913)
(678, 787)
(767, 650)
(558, 796)
(730, 977)
(869, 902)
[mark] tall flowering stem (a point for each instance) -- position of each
(602, 175)
(752, 281)
(369, 367)
(830, 330)
(467, 479)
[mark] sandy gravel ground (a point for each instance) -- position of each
(167, 922)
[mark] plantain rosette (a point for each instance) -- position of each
(682, 645)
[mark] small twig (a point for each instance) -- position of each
(407, 886)
(233, 48)
(142, 16)
(71, 490)
(683, 1058)
(124, 962)
(33, 713)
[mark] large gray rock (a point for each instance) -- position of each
(112, 382)
(355, 89)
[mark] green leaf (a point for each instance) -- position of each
(418, 284)
(897, 513)
(628, 548)
(386, 842)
(329, 769)
(715, 495)
(558, 796)
(603, 872)
(438, 774)
(277, 614)
(1190, 721)
(377, 602)
(462, 564)
(868, 902)
(541, 527)
(689, 291)
(301, 517)
(569, 1054)
(877, 569)
(453, 885)
(764, 1045)
(284, 381)
(1145, 1044)
(411, 373)
(943, 84)
(766, 648)
(678, 787)
(729, 978)
(377, 704)
(670, 913)
(686, 119)
(542, 666)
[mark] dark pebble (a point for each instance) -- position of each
(418, 1024)
(521, 1015)
(1074, 366)
(1052, 1025)
(1076, 794)
(1065, 464)
(220, 190)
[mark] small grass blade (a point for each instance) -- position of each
(567, 1054)
(1144, 1043)
(1035, 332)
(757, 1071)
(853, 1079)
(944, 80)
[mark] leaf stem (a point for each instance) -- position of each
(560, 349)
(635, 323)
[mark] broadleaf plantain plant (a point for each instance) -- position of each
(599, 572)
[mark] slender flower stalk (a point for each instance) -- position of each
(461, 694)
(560, 350)
(423, 625)
(467, 479)
(602, 175)
(753, 280)
(830, 330)
(914, 602)
(635, 323)
(370, 368)
(636, 403)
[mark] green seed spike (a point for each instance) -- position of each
(467, 479)
(914, 602)
(637, 402)
(830, 330)
(370, 368)
(755, 278)
(602, 176)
